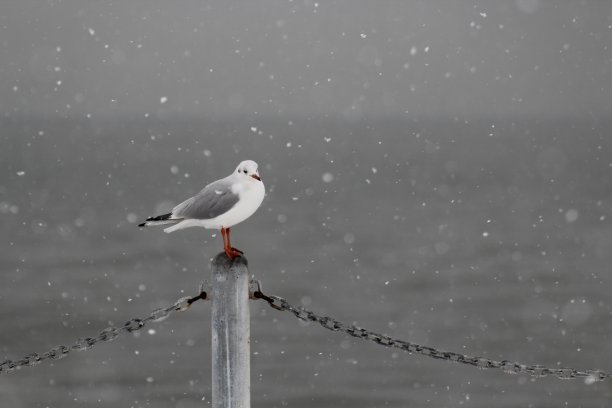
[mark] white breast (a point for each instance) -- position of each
(251, 196)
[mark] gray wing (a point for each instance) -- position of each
(215, 199)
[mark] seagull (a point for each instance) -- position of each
(220, 205)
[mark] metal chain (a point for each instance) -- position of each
(509, 367)
(108, 334)
(279, 303)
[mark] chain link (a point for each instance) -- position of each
(510, 367)
(108, 334)
(281, 304)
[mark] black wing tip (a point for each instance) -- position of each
(162, 217)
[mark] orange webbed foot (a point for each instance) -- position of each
(233, 253)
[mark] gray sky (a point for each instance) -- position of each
(337, 58)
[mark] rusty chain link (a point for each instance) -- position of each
(509, 367)
(108, 334)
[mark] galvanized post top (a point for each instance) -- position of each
(222, 261)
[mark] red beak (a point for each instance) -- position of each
(256, 177)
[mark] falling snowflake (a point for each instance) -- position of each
(327, 177)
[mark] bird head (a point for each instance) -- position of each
(248, 169)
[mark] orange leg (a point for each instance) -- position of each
(230, 251)
(227, 232)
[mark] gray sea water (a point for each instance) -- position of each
(487, 237)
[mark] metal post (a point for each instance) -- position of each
(231, 382)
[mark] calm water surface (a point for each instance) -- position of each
(486, 237)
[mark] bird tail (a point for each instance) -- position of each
(175, 227)
(160, 220)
